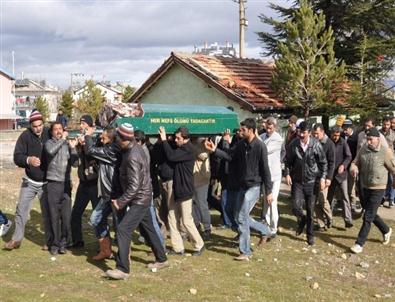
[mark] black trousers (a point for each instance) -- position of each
(307, 193)
(372, 200)
(86, 191)
(135, 216)
(59, 205)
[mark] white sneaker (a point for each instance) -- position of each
(356, 249)
(387, 237)
(5, 227)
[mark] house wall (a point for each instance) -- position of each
(109, 94)
(180, 86)
(6, 97)
(6, 124)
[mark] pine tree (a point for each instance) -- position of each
(354, 23)
(128, 92)
(67, 103)
(41, 105)
(307, 74)
(91, 101)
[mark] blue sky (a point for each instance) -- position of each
(124, 40)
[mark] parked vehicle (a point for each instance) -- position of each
(22, 122)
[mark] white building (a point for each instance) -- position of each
(26, 92)
(7, 112)
(111, 94)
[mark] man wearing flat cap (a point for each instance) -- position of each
(372, 164)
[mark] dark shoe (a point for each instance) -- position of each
(310, 241)
(199, 252)
(300, 227)
(206, 236)
(329, 223)
(174, 253)
(348, 225)
(12, 244)
(62, 250)
(54, 252)
(77, 245)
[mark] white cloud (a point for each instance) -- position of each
(124, 40)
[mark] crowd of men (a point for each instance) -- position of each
(168, 187)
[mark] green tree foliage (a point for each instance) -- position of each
(364, 33)
(91, 101)
(307, 73)
(41, 105)
(67, 103)
(128, 92)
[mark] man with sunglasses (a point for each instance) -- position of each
(28, 154)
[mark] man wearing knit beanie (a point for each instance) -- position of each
(372, 164)
(28, 154)
(87, 190)
(35, 116)
(136, 186)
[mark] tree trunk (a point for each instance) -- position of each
(325, 122)
(306, 113)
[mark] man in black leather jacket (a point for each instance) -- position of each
(109, 158)
(305, 165)
(87, 188)
(137, 195)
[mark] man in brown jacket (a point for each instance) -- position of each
(372, 163)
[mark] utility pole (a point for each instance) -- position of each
(13, 89)
(243, 23)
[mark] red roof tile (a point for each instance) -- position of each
(247, 81)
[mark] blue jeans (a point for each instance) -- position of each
(224, 202)
(99, 219)
(232, 206)
(156, 224)
(390, 192)
(246, 202)
(3, 218)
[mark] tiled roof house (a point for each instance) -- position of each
(243, 84)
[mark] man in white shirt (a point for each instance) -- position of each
(273, 141)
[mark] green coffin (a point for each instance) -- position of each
(200, 120)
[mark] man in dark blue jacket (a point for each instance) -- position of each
(29, 155)
(343, 160)
(323, 209)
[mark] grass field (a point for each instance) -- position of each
(286, 269)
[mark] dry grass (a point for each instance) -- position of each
(285, 270)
